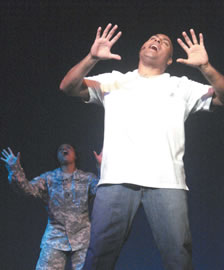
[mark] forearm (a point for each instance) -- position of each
(18, 179)
(215, 78)
(73, 83)
(20, 183)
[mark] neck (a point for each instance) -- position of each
(68, 168)
(149, 71)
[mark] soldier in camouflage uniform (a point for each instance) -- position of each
(65, 191)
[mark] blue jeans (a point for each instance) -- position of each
(114, 209)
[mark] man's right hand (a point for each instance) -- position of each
(101, 48)
(74, 83)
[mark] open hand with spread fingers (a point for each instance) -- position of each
(9, 158)
(196, 52)
(101, 48)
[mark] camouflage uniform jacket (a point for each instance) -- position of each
(66, 197)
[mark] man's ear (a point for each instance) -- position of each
(170, 61)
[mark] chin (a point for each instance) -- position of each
(64, 162)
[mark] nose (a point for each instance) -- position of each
(157, 40)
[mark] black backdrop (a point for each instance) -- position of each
(40, 41)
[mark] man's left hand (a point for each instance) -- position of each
(196, 52)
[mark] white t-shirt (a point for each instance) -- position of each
(144, 126)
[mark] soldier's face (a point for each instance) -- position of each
(66, 154)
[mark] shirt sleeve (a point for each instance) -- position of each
(36, 187)
(197, 96)
(93, 181)
(100, 85)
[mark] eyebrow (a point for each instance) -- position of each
(63, 146)
(166, 39)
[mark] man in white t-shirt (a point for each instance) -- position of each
(149, 168)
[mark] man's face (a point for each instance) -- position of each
(66, 154)
(159, 47)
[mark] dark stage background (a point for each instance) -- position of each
(40, 41)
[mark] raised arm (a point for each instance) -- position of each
(10, 159)
(17, 177)
(73, 83)
(198, 58)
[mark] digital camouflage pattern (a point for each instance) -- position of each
(54, 259)
(66, 198)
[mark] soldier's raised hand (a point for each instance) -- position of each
(9, 158)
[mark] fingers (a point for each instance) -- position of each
(10, 151)
(4, 155)
(193, 36)
(98, 32)
(105, 32)
(7, 153)
(108, 33)
(95, 154)
(187, 39)
(190, 42)
(3, 159)
(181, 60)
(111, 33)
(18, 156)
(8, 157)
(182, 44)
(115, 56)
(201, 38)
(98, 157)
(115, 38)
